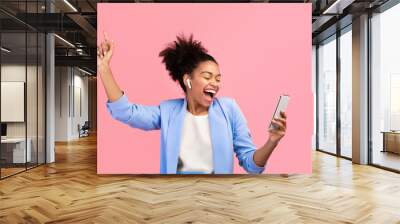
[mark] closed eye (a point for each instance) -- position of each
(208, 75)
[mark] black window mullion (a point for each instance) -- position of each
(317, 96)
(45, 94)
(26, 87)
(369, 90)
(0, 95)
(338, 74)
(72, 93)
(37, 90)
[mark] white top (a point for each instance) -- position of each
(195, 149)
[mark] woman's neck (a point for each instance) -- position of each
(195, 108)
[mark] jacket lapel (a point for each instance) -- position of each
(174, 137)
(222, 152)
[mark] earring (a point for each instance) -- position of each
(189, 84)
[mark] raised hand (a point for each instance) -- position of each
(104, 52)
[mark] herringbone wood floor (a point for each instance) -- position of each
(70, 191)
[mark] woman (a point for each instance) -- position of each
(199, 132)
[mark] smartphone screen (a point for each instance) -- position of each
(281, 106)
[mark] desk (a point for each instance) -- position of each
(391, 141)
(17, 151)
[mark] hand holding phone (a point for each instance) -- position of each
(280, 107)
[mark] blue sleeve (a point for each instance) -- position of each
(242, 142)
(135, 115)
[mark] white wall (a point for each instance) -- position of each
(12, 73)
(61, 103)
(12, 101)
(80, 103)
(71, 93)
(16, 73)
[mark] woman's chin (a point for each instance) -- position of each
(207, 102)
(204, 101)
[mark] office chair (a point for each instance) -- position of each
(84, 130)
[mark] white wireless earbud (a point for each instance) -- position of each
(189, 84)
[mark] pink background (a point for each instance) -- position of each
(263, 50)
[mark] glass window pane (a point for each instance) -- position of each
(23, 85)
(385, 88)
(346, 94)
(327, 96)
(13, 86)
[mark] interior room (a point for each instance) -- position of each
(48, 150)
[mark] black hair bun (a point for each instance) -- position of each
(183, 56)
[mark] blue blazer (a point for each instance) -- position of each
(228, 130)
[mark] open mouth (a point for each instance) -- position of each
(210, 93)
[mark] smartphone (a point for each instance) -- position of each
(281, 106)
